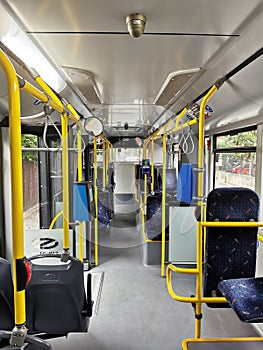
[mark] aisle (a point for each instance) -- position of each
(136, 312)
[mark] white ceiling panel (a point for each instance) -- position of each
(188, 16)
(91, 35)
(128, 69)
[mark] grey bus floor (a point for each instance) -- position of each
(136, 312)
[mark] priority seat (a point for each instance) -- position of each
(55, 297)
(230, 251)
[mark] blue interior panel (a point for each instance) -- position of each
(80, 202)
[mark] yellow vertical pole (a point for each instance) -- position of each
(201, 141)
(135, 184)
(108, 160)
(199, 285)
(96, 238)
(145, 175)
(199, 277)
(65, 190)
(79, 142)
(164, 197)
(152, 166)
(143, 219)
(107, 163)
(145, 189)
(103, 164)
(16, 183)
(80, 180)
(163, 204)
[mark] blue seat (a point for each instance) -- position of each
(153, 224)
(245, 296)
(171, 181)
(111, 201)
(230, 252)
(104, 208)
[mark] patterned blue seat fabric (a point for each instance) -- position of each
(111, 201)
(153, 225)
(104, 212)
(230, 252)
(171, 181)
(245, 296)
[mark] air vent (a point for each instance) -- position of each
(173, 85)
(85, 82)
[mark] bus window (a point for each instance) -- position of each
(235, 159)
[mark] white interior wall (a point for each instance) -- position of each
(158, 154)
(124, 178)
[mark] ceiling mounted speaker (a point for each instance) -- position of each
(175, 83)
(136, 24)
(85, 82)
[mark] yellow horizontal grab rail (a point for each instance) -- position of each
(187, 341)
(213, 300)
(54, 97)
(186, 270)
(155, 135)
(230, 224)
(175, 296)
(185, 299)
(32, 90)
(177, 127)
(183, 126)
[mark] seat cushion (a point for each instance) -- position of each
(245, 296)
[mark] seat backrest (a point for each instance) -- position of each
(230, 252)
(108, 188)
(56, 298)
(153, 225)
(171, 181)
(6, 296)
(104, 204)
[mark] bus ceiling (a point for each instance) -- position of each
(90, 59)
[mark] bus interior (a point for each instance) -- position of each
(131, 162)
